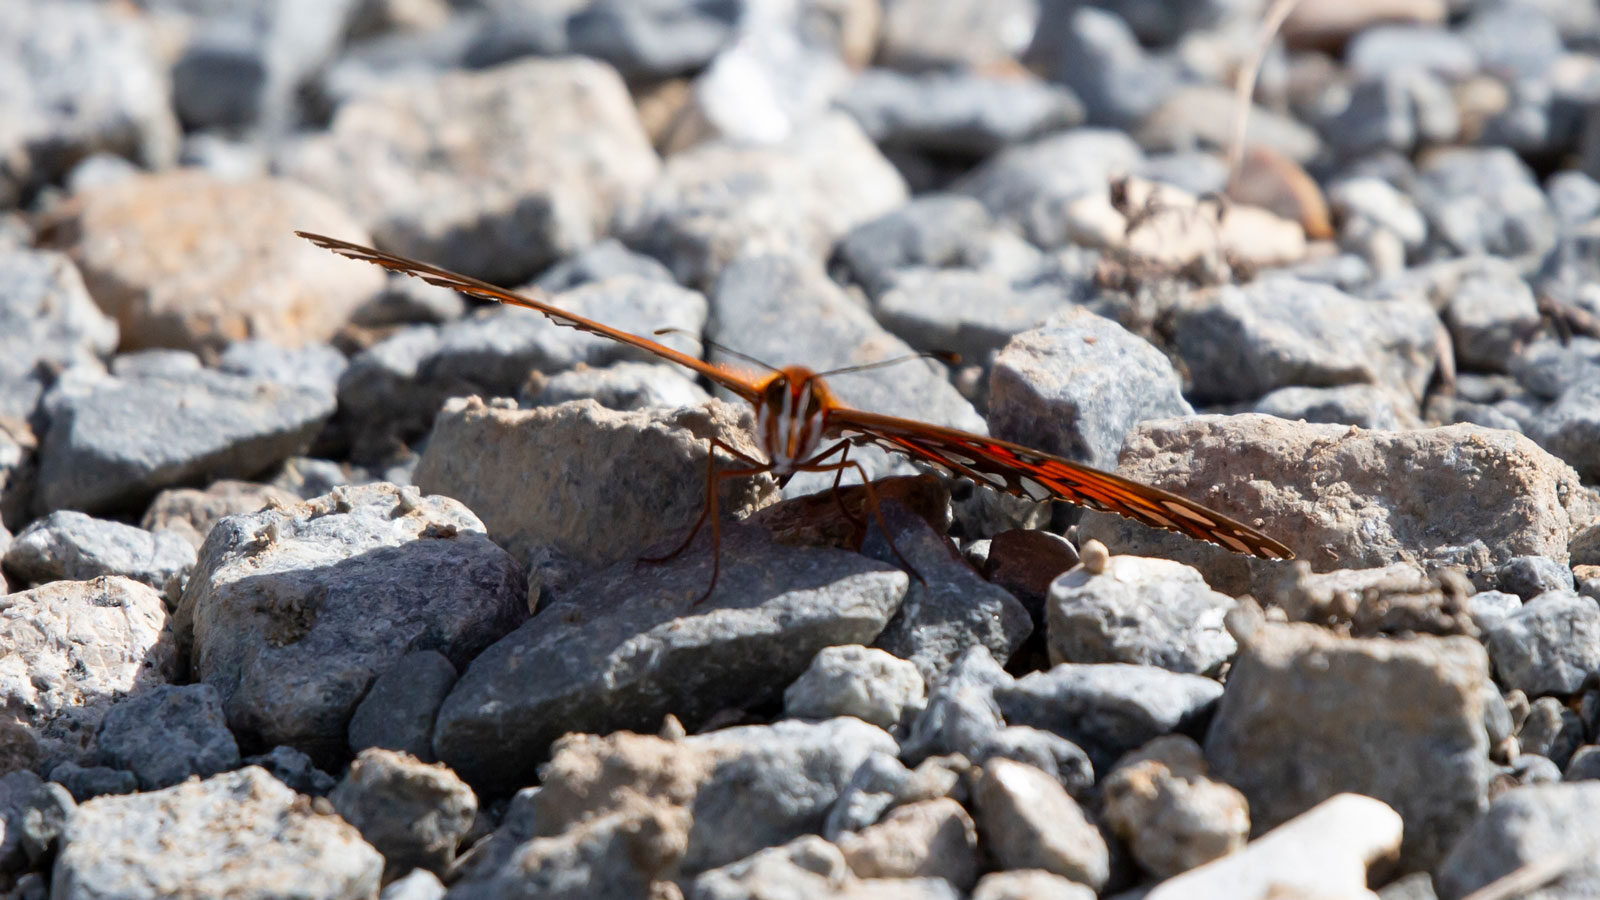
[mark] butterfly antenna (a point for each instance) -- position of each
(944, 356)
(716, 346)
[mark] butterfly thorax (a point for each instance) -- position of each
(791, 416)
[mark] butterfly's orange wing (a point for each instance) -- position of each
(1029, 473)
(733, 380)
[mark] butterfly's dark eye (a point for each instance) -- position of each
(776, 392)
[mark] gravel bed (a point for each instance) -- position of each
(317, 581)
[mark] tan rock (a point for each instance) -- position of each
(596, 485)
(190, 512)
(1342, 497)
(933, 838)
(185, 259)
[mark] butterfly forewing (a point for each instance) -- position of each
(737, 382)
(1029, 473)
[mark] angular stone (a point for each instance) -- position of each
(1077, 384)
(436, 170)
(292, 613)
(957, 112)
(1308, 715)
(852, 680)
(67, 649)
(47, 318)
(70, 546)
(929, 839)
(167, 734)
(393, 390)
(805, 867)
(398, 711)
(115, 442)
(1239, 343)
(948, 607)
(239, 834)
(413, 813)
(1172, 817)
(189, 260)
(190, 513)
(595, 485)
(1030, 884)
(719, 201)
(1151, 612)
(63, 105)
(970, 313)
(619, 386)
(1551, 645)
(1537, 826)
(1361, 405)
(1108, 709)
(1031, 185)
(1461, 495)
(1325, 851)
(1028, 821)
(628, 645)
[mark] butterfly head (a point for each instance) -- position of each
(791, 416)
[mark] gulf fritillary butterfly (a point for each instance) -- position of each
(796, 415)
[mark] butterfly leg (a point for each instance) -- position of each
(708, 509)
(842, 448)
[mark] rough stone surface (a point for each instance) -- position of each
(628, 645)
(239, 834)
(1529, 826)
(63, 105)
(32, 814)
(805, 867)
(1108, 709)
(191, 512)
(1308, 715)
(948, 606)
(115, 442)
(70, 546)
(870, 684)
(970, 313)
(1028, 821)
(1075, 386)
(1468, 496)
(719, 201)
(167, 734)
(292, 613)
(189, 260)
(47, 318)
(1031, 185)
(957, 112)
(1239, 343)
(1551, 645)
(1030, 884)
(756, 302)
(446, 171)
(1171, 816)
(1325, 851)
(398, 711)
(929, 839)
(413, 813)
(574, 477)
(67, 651)
(394, 389)
(1143, 611)
(620, 386)
(1362, 405)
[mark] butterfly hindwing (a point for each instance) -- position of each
(1029, 473)
(734, 381)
